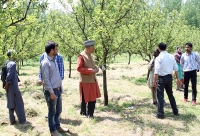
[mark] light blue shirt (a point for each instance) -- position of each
(50, 74)
(165, 63)
(190, 62)
(59, 61)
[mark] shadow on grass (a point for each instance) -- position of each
(24, 127)
(71, 122)
(140, 112)
(2, 94)
(69, 134)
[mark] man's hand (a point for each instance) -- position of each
(6, 86)
(39, 82)
(155, 84)
(97, 69)
(53, 96)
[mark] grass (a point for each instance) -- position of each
(127, 88)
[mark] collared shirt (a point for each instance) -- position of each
(50, 74)
(190, 62)
(165, 63)
(59, 61)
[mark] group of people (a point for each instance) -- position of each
(51, 76)
(160, 77)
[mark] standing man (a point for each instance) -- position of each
(59, 60)
(52, 88)
(60, 63)
(190, 62)
(164, 66)
(88, 86)
(13, 94)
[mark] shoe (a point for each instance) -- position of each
(46, 116)
(90, 116)
(176, 114)
(63, 130)
(185, 100)
(26, 122)
(160, 116)
(194, 103)
(155, 103)
(55, 133)
(13, 122)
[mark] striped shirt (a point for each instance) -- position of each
(60, 63)
(190, 62)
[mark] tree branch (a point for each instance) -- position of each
(23, 18)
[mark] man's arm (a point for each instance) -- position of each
(82, 69)
(198, 62)
(11, 69)
(45, 72)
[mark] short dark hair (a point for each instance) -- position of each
(50, 45)
(189, 44)
(162, 46)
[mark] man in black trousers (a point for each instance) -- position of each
(190, 61)
(165, 64)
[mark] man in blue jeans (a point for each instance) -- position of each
(52, 88)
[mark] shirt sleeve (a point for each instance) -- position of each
(61, 66)
(81, 68)
(197, 58)
(40, 74)
(175, 67)
(46, 78)
(157, 65)
(11, 69)
(182, 61)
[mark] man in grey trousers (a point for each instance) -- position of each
(13, 94)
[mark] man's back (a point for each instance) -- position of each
(165, 64)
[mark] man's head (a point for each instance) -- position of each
(51, 48)
(89, 46)
(156, 53)
(188, 47)
(12, 54)
(162, 46)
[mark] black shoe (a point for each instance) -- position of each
(90, 116)
(12, 122)
(176, 114)
(155, 103)
(160, 116)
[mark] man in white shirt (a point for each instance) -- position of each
(190, 61)
(165, 64)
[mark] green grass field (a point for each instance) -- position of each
(126, 88)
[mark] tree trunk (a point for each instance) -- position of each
(105, 88)
(129, 59)
(70, 65)
(105, 82)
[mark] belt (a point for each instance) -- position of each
(58, 88)
(165, 75)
